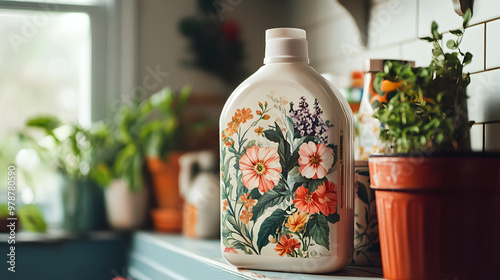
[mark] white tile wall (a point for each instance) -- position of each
(473, 42)
(484, 96)
(493, 44)
(392, 21)
(306, 13)
(492, 137)
(340, 38)
(418, 51)
(439, 10)
(485, 10)
(394, 28)
(476, 139)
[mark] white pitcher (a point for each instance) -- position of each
(201, 194)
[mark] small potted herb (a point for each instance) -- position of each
(438, 203)
(162, 137)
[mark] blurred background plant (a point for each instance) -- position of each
(85, 158)
(216, 45)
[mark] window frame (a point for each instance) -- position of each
(112, 35)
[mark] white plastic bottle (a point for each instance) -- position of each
(286, 155)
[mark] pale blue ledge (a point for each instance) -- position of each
(165, 256)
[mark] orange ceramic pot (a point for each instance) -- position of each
(167, 220)
(439, 217)
(168, 217)
(166, 180)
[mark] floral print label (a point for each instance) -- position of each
(278, 179)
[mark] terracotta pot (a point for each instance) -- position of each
(166, 180)
(167, 220)
(439, 217)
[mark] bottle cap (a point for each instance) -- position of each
(286, 45)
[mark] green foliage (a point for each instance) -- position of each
(162, 127)
(115, 149)
(269, 199)
(71, 147)
(319, 230)
(4, 211)
(269, 227)
(428, 111)
(31, 219)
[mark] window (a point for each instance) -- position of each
(60, 57)
(45, 66)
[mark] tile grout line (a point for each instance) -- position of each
(486, 70)
(487, 122)
(484, 46)
(484, 137)
(485, 21)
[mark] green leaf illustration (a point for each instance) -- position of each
(269, 227)
(318, 228)
(255, 194)
(363, 193)
(333, 218)
(276, 135)
(269, 199)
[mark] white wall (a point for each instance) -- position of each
(394, 28)
(160, 42)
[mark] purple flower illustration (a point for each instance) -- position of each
(309, 123)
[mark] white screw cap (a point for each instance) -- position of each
(286, 45)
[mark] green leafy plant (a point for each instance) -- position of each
(71, 146)
(116, 149)
(428, 108)
(152, 127)
(31, 218)
(163, 129)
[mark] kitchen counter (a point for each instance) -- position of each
(171, 256)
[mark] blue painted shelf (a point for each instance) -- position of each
(167, 256)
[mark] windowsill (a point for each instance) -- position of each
(60, 235)
(160, 256)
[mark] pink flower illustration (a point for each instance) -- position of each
(315, 160)
(327, 194)
(261, 168)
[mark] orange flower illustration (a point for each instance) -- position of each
(261, 168)
(327, 194)
(259, 130)
(231, 129)
(225, 204)
(229, 143)
(258, 112)
(245, 216)
(223, 137)
(297, 221)
(286, 245)
(244, 114)
(248, 201)
(305, 201)
(315, 160)
(230, 250)
(266, 117)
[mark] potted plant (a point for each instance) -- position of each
(438, 204)
(161, 134)
(70, 147)
(118, 166)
